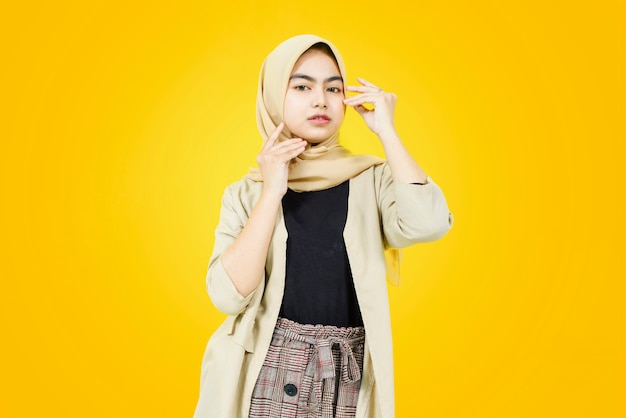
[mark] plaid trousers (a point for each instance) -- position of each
(310, 371)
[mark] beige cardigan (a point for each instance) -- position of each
(381, 213)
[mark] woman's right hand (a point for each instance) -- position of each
(252, 244)
(274, 160)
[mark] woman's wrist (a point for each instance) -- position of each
(388, 135)
(270, 197)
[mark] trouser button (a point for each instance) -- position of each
(291, 389)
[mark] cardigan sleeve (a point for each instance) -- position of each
(220, 287)
(411, 213)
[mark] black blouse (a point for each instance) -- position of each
(318, 283)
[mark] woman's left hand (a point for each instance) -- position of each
(380, 119)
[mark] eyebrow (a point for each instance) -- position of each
(311, 79)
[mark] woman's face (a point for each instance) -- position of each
(314, 108)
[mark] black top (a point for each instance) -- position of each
(318, 283)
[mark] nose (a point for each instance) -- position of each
(319, 99)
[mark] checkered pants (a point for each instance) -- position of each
(311, 371)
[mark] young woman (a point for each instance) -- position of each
(299, 257)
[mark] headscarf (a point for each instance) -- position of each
(324, 165)
(319, 167)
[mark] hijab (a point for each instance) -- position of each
(323, 165)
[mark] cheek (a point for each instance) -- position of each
(287, 108)
(292, 101)
(340, 108)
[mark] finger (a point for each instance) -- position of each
(361, 110)
(362, 98)
(273, 137)
(363, 89)
(287, 145)
(288, 156)
(367, 83)
(283, 154)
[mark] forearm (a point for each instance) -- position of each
(244, 260)
(403, 167)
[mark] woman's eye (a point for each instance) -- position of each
(301, 88)
(334, 89)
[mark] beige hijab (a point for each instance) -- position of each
(321, 166)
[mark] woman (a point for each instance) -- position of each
(299, 256)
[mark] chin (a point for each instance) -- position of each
(313, 136)
(315, 141)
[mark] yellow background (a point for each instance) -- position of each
(123, 121)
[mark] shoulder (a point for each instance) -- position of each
(239, 199)
(244, 186)
(245, 191)
(373, 179)
(375, 172)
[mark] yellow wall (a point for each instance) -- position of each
(123, 121)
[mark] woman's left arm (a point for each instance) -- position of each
(410, 213)
(380, 120)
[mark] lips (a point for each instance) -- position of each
(320, 118)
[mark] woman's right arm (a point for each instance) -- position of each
(244, 261)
